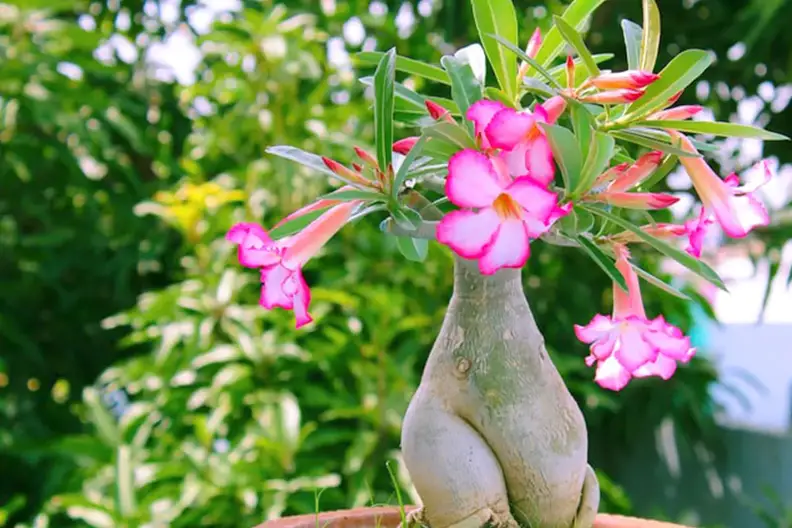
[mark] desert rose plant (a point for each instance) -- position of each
(565, 154)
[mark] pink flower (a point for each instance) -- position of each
(735, 208)
(481, 113)
(696, 230)
(524, 145)
(622, 96)
(627, 344)
(630, 80)
(678, 113)
(531, 50)
(636, 173)
(403, 146)
(281, 261)
(631, 200)
(438, 112)
(509, 213)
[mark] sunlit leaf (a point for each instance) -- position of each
(498, 18)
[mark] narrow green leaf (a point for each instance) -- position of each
(576, 41)
(465, 88)
(566, 153)
(125, 485)
(440, 150)
(101, 418)
(348, 195)
(306, 159)
(521, 54)
(384, 79)
(497, 18)
(599, 155)
(693, 264)
(575, 15)
(634, 136)
(650, 41)
(450, 132)
(602, 260)
(715, 128)
(536, 86)
(676, 76)
(414, 249)
(633, 33)
(404, 168)
(296, 224)
(654, 281)
(403, 64)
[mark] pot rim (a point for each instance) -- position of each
(390, 516)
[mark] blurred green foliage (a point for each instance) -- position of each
(140, 382)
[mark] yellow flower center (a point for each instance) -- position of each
(506, 207)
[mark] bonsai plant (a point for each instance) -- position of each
(564, 154)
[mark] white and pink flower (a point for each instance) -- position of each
(735, 208)
(627, 345)
(501, 215)
(281, 261)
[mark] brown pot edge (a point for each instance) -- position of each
(390, 516)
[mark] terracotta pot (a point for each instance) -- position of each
(389, 517)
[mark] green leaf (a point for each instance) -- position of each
(451, 133)
(575, 16)
(125, 482)
(650, 41)
(633, 33)
(404, 168)
(496, 18)
(306, 159)
(465, 88)
(576, 41)
(693, 264)
(676, 76)
(414, 249)
(415, 99)
(496, 94)
(566, 153)
(633, 136)
(411, 66)
(348, 195)
(599, 155)
(654, 281)
(100, 417)
(715, 128)
(521, 54)
(384, 79)
(536, 86)
(583, 124)
(296, 224)
(602, 260)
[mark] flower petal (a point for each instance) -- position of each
(739, 215)
(674, 346)
(509, 248)
(663, 367)
(516, 159)
(634, 350)
(468, 233)
(307, 242)
(481, 113)
(612, 375)
(539, 160)
(273, 295)
(471, 181)
(301, 299)
(534, 197)
(255, 247)
(509, 127)
(599, 326)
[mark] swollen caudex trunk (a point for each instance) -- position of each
(493, 437)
